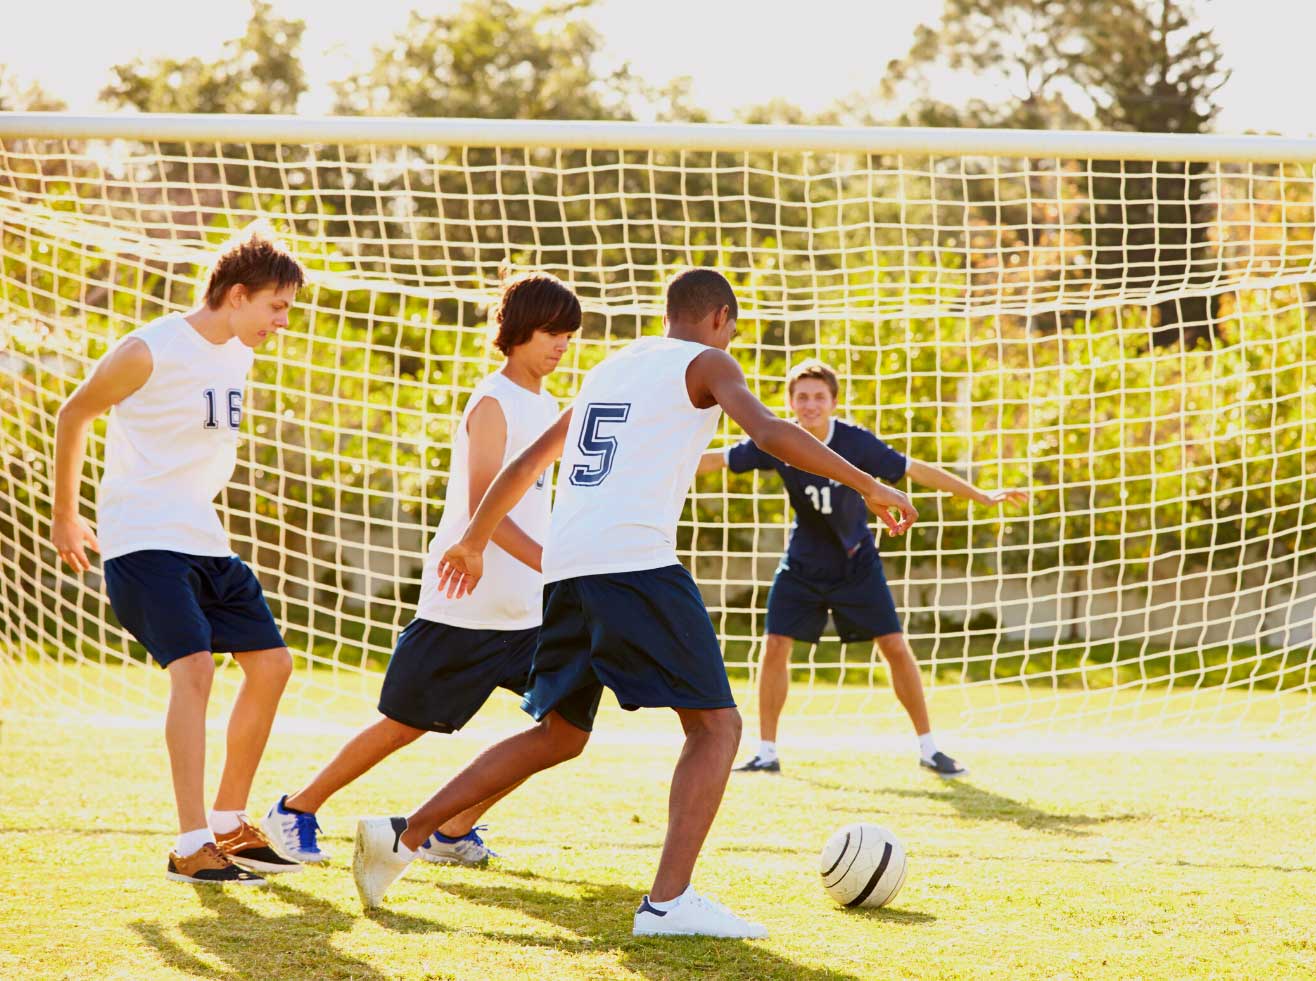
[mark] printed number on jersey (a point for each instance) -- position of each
(821, 497)
(597, 442)
(234, 408)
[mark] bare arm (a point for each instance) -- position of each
(714, 377)
(463, 564)
(487, 428)
(938, 479)
(712, 461)
(120, 373)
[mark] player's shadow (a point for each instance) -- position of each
(600, 921)
(976, 804)
(249, 944)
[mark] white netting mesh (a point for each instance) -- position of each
(1129, 338)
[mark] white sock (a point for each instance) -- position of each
(767, 751)
(222, 822)
(927, 746)
(191, 842)
(671, 904)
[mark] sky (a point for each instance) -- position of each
(737, 52)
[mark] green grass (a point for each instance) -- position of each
(1040, 865)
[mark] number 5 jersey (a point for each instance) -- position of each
(630, 457)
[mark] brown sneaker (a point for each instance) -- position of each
(247, 846)
(208, 866)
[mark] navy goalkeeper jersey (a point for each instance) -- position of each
(830, 537)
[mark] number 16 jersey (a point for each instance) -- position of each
(630, 456)
(171, 446)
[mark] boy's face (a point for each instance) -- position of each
(258, 316)
(541, 352)
(812, 402)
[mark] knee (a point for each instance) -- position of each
(191, 676)
(722, 725)
(398, 734)
(777, 649)
(269, 668)
(565, 741)
(895, 648)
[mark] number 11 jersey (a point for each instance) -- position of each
(630, 457)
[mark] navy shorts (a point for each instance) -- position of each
(646, 635)
(440, 675)
(177, 604)
(861, 605)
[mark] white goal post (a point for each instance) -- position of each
(1120, 322)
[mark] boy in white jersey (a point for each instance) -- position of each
(174, 390)
(455, 653)
(619, 610)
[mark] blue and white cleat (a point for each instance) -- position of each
(469, 849)
(293, 834)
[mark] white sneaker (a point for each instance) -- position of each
(694, 916)
(469, 849)
(379, 857)
(293, 835)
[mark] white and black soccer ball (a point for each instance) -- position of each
(863, 865)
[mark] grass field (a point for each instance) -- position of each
(1101, 864)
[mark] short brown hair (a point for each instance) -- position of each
(531, 302)
(813, 368)
(694, 294)
(255, 259)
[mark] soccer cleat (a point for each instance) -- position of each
(943, 766)
(695, 916)
(759, 765)
(379, 857)
(292, 834)
(246, 846)
(469, 849)
(209, 866)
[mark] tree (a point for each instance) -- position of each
(259, 72)
(492, 60)
(1129, 64)
(15, 97)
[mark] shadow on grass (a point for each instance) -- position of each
(600, 919)
(976, 804)
(249, 944)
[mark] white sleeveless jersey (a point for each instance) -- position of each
(171, 445)
(510, 594)
(630, 456)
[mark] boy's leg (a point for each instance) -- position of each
(495, 772)
(462, 824)
(700, 778)
(265, 673)
(906, 679)
(362, 752)
(190, 679)
(774, 683)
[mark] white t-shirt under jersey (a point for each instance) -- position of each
(510, 594)
(629, 459)
(171, 445)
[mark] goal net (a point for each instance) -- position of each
(1118, 322)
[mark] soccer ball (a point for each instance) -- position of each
(863, 865)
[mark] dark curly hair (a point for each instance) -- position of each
(531, 302)
(254, 260)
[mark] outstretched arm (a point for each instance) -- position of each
(938, 479)
(463, 564)
(120, 373)
(714, 377)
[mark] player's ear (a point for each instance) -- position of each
(237, 294)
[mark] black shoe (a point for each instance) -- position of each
(757, 765)
(943, 766)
